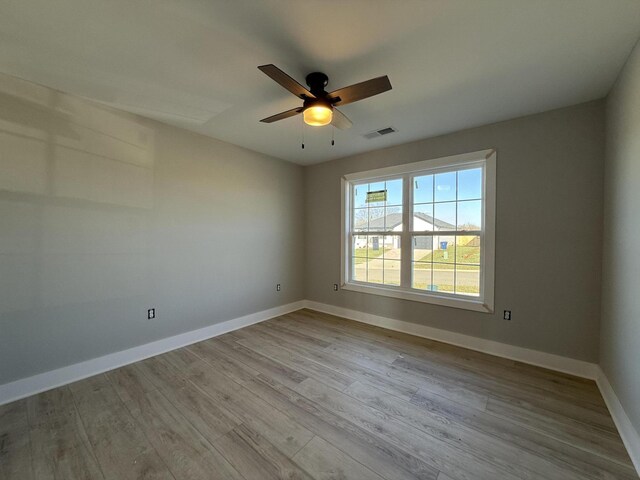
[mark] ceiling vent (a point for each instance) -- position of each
(380, 133)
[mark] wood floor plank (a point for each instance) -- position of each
(130, 382)
(344, 338)
(257, 459)
(293, 325)
(519, 387)
(162, 373)
(519, 462)
(211, 420)
(383, 457)
(259, 362)
(209, 417)
(345, 367)
(325, 462)
(262, 344)
(183, 449)
(120, 446)
(441, 455)
(444, 476)
(457, 392)
(381, 365)
(300, 337)
(15, 446)
(517, 395)
(14, 416)
(561, 386)
(278, 428)
(182, 359)
(231, 367)
(310, 395)
(564, 429)
(15, 455)
(375, 360)
(554, 383)
(526, 439)
(58, 435)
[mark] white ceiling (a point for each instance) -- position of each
(453, 64)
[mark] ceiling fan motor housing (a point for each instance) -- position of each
(317, 81)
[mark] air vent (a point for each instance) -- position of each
(379, 133)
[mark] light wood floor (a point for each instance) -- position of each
(311, 396)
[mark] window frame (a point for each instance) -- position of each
(485, 303)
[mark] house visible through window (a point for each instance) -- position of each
(423, 231)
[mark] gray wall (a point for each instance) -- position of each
(104, 214)
(620, 339)
(548, 237)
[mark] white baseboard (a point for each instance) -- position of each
(534, 357)
(54, 378)
(628, 433)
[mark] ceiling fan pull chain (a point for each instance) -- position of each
(302, 124)
(333, 131)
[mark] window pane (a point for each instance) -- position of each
(361, 219)
(375, 269)
(444, 249)
(468, 249)
(394, 192)
(360, 195)
(376, 219)
(359, 247)
(423, 218)
(445, 186)
(443, 278)
(470, 184)
(392, 247)
(422, 248)
(470, 215)
(391, 272)
(375, 247)
(393, 219)
(360, 269)
(468, 280)
(423, 189)
(444, 216)
(421, 276)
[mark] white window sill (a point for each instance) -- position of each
(455, 301)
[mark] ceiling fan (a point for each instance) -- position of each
(319, 107)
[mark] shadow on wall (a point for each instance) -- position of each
(76, 191)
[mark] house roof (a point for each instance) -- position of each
(392, 220)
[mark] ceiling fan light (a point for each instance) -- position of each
(317, 115)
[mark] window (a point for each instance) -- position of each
(423, 231)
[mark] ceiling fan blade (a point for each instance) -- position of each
(282, 115)
(359, 91)
(286, 81)
(340, 120)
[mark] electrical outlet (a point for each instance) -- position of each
(277, 287)
(335, 287)
(507, 315)
(151, 314)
